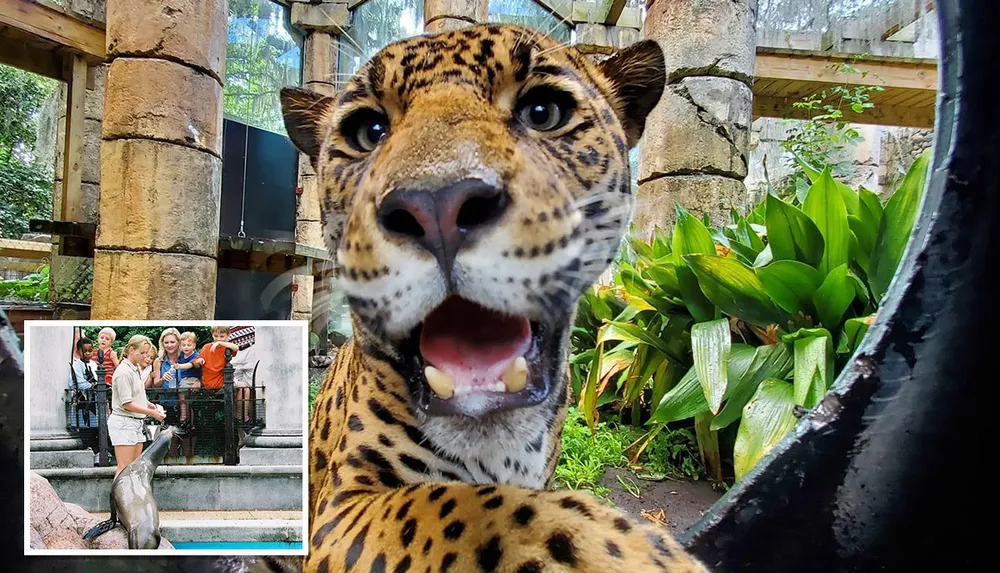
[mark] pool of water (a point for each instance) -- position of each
(238, 545)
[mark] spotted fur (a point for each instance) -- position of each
(395, 489)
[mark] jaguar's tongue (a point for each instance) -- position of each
(469, 348)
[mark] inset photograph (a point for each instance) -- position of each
(173, 436)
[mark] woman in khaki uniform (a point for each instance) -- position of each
(129, 405)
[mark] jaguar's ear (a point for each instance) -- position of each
(638, 76)
(303, 111)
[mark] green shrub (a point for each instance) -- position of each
(749, 323)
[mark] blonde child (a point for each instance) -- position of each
(213, 360)
(129, 406)
(188, 374)
(105, 338)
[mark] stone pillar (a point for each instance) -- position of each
(49, 348)
(283, 372)
(161, 160)
(445, 15)
(695, 147)
(322, 25)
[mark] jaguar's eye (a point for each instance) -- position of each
(545, 109)
(364, 129)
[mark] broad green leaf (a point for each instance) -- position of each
(811, 172)
(590, 390)
(665, 277)
(756, 217)
(641, 248)
(599, 307)
(833, 297)
(767, 418)
(691, 236)
(791, 235)
(735, 289)
(871, 207)
(764, 258)
(859, 286)
(647, 360)
(632, 333)
(852, 334)
(710, 344)
(825, 207)
(789, 283)
(851, 200)
(699, 305)
(896, 225)
(683, 401)
(813, 372)
(749, 237)
(771, 361)
(804, 333)
(661, 246)
(864, 239)
(666, 376)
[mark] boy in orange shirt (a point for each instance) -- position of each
(213, 358)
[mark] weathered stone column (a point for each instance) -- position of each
(322, 24)
(444, 15)
(695, 147)
(51, 444)
(161, 166)
(282, 370)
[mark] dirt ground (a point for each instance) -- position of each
(682, 503)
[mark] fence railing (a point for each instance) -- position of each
(214, 421)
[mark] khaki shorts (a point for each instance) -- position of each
(125, 431)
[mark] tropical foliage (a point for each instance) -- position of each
(25, 183)
(31, 288)
(743, 326)
(262, 56)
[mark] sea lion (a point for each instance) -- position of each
(132, 501)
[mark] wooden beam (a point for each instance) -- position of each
(804, 65)
(54, 26)
(614, 12)
(20, 266)
(76, 94)
(20, 53)
(895, 115)
(24, 249)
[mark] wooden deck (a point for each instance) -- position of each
(908, 96)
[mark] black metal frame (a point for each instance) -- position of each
(881, 476)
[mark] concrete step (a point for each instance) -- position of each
(271, 456)
(200, 487)
(229, 526)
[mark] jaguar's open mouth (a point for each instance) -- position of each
(466, 359)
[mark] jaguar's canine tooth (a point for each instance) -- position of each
(440, 382)
(515, 378)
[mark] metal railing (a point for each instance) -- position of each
(215, 421)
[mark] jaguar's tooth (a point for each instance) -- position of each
(515, 378)
(440, 382)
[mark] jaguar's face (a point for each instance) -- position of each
(474, 183)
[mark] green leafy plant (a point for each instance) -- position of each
(747, 323)
(31, 288)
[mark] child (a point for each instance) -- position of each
(243, 364)
(213, 357)
(187, 375)
(105, 338)
(213, 360)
